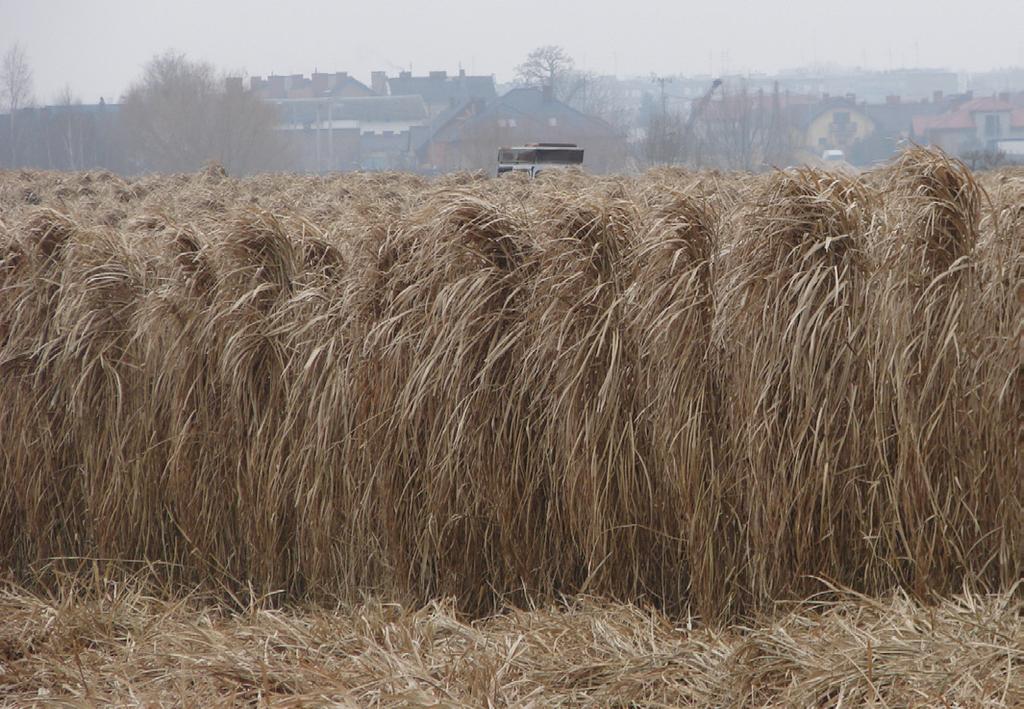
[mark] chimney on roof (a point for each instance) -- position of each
(937, 96)
(892, 100)
(462, 73)
(379, 83)
(405, 75)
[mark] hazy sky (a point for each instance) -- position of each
(99, 46)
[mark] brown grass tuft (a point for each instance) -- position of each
(116, 645)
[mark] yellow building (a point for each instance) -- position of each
(835, 127)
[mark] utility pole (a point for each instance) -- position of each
(661, 81)
(663, 123)
(316, 141)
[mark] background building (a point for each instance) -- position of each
(469, 134)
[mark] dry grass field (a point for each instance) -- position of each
(700, 395)
(122, 647)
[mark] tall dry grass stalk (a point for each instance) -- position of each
(946, 366)
(789, 330)
(707, 392)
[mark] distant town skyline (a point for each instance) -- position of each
(97, 47)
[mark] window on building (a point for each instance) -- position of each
(992, 125)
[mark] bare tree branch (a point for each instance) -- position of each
(15, 89)
(548, 66)
(70, 127)
(742, 130)
(178, 116)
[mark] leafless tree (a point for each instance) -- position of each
(742, 130)
(70, 128)
(15, 89)
(984, 158)
(596, 95)
(548, 66)
(552, 67)
(178, 116)
(663, 141)
(247, 140)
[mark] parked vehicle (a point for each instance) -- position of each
(537, 157)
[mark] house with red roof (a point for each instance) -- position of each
(973, 125)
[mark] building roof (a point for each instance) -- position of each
(533, 102)
(896, 117)
(296, 86)
(458, 109)
(380, 108)
(528, 105)
(962, 117)
(441, 88)
(350, 87)
(806, 112)
(363, 109)
(88, 109)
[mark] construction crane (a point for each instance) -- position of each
(696, 112)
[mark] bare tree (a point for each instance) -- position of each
(548, 66)
(552, 68)
(742, 130)
(596, 95)
(663, 141)
(15, 88)
(70, 128)
(178, 116)
(246, 139)
(984, 158)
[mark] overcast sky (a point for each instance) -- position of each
(99, 46)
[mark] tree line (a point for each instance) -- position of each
(175, 117)
(180, 114)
